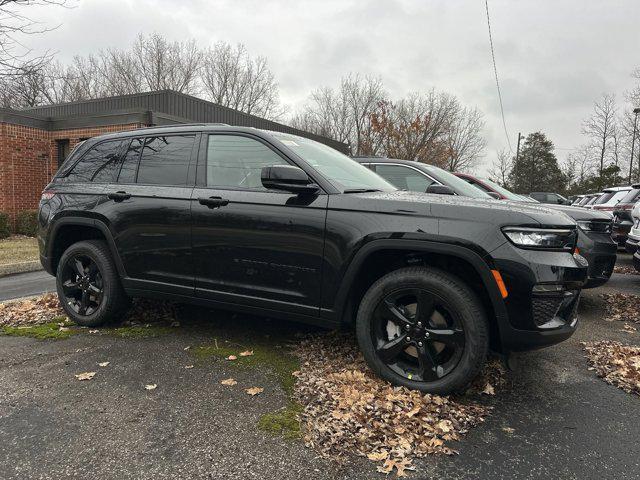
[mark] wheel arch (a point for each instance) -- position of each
(379, 257)
(69, 230)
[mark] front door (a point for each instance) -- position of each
(251, 245)
(149, 214)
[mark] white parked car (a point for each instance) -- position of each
(634, 234)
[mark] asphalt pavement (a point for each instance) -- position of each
(26, 284)
(567, 423)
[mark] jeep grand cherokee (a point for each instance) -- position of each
(279, 225)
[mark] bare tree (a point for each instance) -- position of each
(232, 78)
(15, 58)
(167, 65)
(600, 127)
(501, 168)
(464, 138)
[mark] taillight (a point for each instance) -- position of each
(47, 195)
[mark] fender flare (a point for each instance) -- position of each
(86, 222)
(481, 267)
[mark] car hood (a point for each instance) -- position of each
(578, 213)
(454, 207)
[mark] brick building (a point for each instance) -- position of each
(34, 142)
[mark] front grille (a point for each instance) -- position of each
(601, 226)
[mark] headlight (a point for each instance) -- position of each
(542, 238)
(595, 226)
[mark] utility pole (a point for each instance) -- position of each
(633, 141)
(515, 166)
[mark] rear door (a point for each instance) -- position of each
(148, 210)
(251, 245)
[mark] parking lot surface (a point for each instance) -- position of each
(554, 419)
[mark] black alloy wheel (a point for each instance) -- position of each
(82, 284)
(417, 334)
(423, 328)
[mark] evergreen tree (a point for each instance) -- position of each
(537, 169)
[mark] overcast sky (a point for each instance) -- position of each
(554, 58)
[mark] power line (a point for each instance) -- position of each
(495, 71)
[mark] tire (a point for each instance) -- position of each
(451, 302)
(101, 274)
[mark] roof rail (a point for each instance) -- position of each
(199, 124)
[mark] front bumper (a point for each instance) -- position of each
(600, 251)
(543, 296)
(632, 245)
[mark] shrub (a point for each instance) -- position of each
(27, 223)
(5, 231)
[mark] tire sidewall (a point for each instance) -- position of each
(455, 294)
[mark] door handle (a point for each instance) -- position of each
(213, 202)
(119, 196)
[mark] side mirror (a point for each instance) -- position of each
(288, 178)
(495, 195)
(440, 189)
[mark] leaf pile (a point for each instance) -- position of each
(616, 364)
(622, 306)
(625, 270)
(347, 409)
(145, 312)
(33, 311)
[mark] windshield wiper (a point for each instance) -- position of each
(361, 190)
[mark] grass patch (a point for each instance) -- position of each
(283, 422)
(140, 332)
(45, 331)
(18, 249)
(268, 354)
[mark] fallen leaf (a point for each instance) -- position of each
(94, 331)
(175, 324)
(85, 375)
(232, 357)
(103, 364)
(63, 329)
(186, 348)
(229, 381)
(488, 389)
(378, 456)
(254, 391)
(151, 386)
(188, 366)
(246, 353)
(508, 429)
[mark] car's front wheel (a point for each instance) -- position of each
(88, 285)
(424, 329)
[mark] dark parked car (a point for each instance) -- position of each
(550, 197)
(279, 225)
(594, 232)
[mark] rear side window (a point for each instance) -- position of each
(236, 161)
(99, 164)
(165, 160)
(404, 178)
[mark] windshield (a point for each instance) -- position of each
(604, 198)
(632, 196)
(460, 186)
(345, 172)
(506, 193)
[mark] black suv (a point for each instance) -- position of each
(279, 225)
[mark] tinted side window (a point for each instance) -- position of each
(235, 161)
(404, 178)
(99, 164)
(165, 160)
(130, 162)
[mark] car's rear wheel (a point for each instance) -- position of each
(88, 285)
(424, 329)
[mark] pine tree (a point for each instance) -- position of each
(537, 169)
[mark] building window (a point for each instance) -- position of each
(63, 150)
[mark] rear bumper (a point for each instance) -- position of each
(543, 296)
(620, 231)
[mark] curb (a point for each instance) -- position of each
(22, 267)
